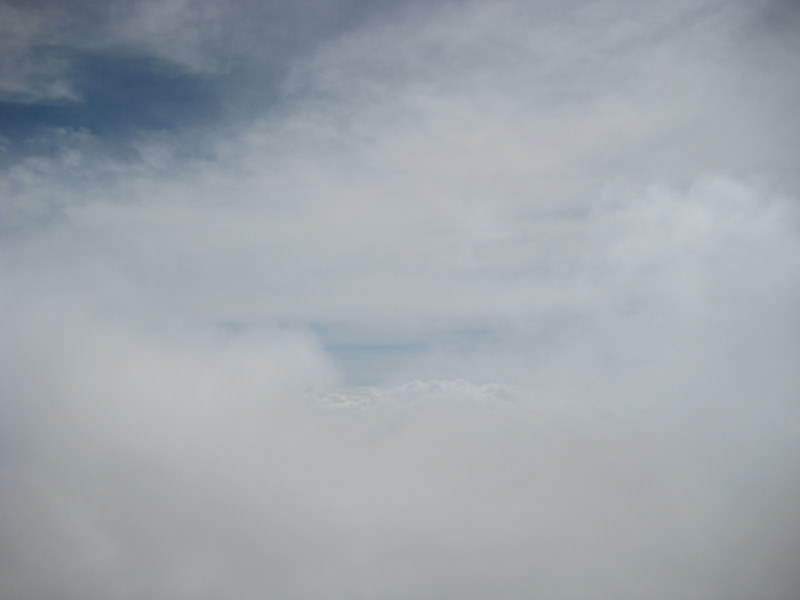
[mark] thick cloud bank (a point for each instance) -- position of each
(476, 300)
(147, 467)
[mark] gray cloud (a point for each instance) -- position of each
(41, 40)
(30, 70)
(573, 230)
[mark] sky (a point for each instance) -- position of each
(414, 300)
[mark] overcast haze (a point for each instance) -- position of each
(419, 300)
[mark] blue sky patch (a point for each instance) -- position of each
(120, 96)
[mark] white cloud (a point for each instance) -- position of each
(586, 208)
(183, 468)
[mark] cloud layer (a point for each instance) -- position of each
(479, 299)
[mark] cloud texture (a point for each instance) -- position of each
(472, 299)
